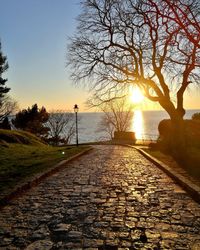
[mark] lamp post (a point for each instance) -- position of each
(76, 111)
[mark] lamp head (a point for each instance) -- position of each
(76, 108)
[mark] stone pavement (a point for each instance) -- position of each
(111, 198)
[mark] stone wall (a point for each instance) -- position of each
(124, 137)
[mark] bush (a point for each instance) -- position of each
(196, 116)
(191, 133)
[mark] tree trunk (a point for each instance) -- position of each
(178, 139)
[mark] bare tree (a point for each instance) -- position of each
(184, 15)
(123, 42)
(8, 107)
(106, 127)
(117, 116)
(62, 126)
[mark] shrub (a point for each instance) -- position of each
(191, 133)
(196, 116)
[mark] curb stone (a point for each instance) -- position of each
(38, 178)
(187, 185)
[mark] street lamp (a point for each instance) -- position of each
(76, 111)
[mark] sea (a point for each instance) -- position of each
(144, 124)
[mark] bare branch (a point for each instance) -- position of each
(143, 42)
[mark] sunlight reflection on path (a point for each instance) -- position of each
(138, 124)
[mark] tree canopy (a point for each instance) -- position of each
(32, 120)
(3, 68)
(152, 44)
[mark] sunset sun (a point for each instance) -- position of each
(136, 95)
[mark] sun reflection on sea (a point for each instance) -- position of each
(138, 124)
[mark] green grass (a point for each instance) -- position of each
(191, 165)
(167, 159)
(20, 137)
(19, 161)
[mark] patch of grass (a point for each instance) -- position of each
(18, 161)
(191, 165)
(21, 137)
(165, 158)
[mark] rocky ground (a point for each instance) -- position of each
(111, 198)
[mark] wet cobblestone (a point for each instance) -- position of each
(111, 198)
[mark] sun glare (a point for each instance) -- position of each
(138, 124)
(136, 95)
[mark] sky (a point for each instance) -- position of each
(34, 36)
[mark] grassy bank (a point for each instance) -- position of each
(191, 166)
(25, 158)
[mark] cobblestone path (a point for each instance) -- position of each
(111, 198)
